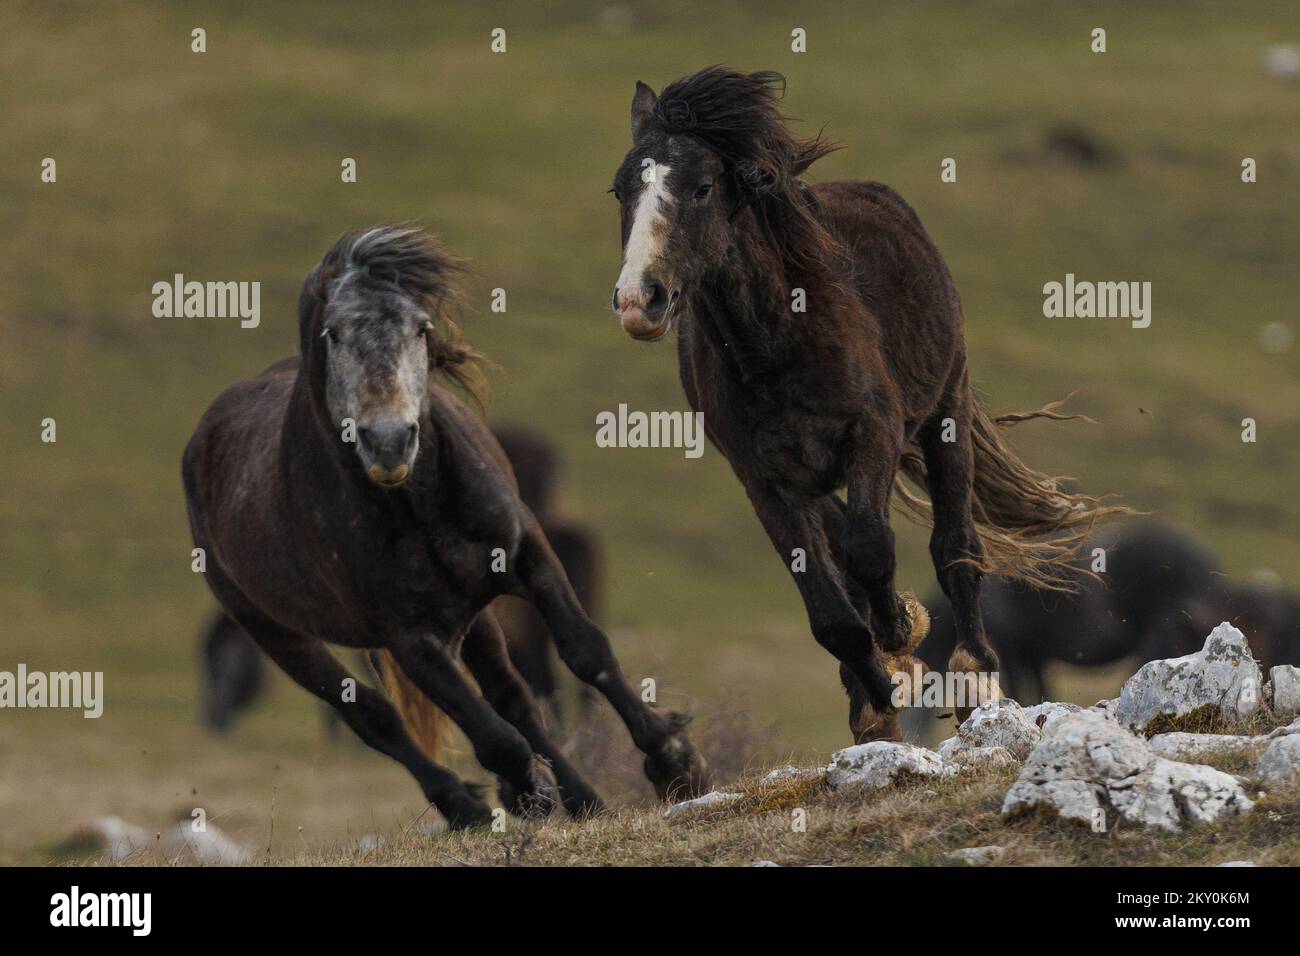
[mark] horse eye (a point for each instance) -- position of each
(331, 334)
(423, 329)
(704, 190)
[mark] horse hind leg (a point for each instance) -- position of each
(370, 716)
(672, 763)
(905, 640)
(954, 543)
(498, 746)
(485, 653)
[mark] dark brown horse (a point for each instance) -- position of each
(344, 497)
(231, 669)
(821, 336)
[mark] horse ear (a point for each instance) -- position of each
(643, 101)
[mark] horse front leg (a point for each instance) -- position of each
(672, 763)
(810, 529)
(371, 716)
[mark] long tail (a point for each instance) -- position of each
(425, 722)
(1030, 528)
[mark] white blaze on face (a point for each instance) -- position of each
(645, 241)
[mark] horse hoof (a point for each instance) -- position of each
(469, 816)
(682, 782)
(537, 798)
(677, 771)
(918, 621)
(913, 626)
(870, 724)
(583, 806)
(985, 682)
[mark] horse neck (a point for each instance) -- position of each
(745, 307)
(311, 446)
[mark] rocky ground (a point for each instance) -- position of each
(1197, 762)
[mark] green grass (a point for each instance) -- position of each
(226, 165)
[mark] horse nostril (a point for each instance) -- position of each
(658, 300)
(388, 444)
(614, 301)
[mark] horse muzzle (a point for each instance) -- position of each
(387, 449)
(643, 328)
(647, 314)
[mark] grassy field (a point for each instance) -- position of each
(917, 824)
(225, 165)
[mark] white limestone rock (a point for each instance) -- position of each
(1088, 767)
(882, 763)
(1105, 708)
(976, 855)
(120, 839)
(714, 798)
(113, 836)
(791, 772)
(1177, 745)
(1291, 728)
(1044, 715)
(1285, 679)
(1222, 677)
(983, 758)
(209, 845)
(1280, 763)
(996, 723)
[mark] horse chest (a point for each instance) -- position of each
(803, 453)
(410, 580)
(781, 430)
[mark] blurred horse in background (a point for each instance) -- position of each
(232, 669)
(1268, 615)
(1161, 593)
(1152, 574)
(232, 672)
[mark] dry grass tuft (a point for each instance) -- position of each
(915, 824)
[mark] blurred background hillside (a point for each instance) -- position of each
(225, 166)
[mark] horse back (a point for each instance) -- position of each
(903, 285)
(229, 464)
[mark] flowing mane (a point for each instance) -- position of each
(737, 116)
(412, 262)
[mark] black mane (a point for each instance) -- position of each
(736, 115)
(410, 261)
